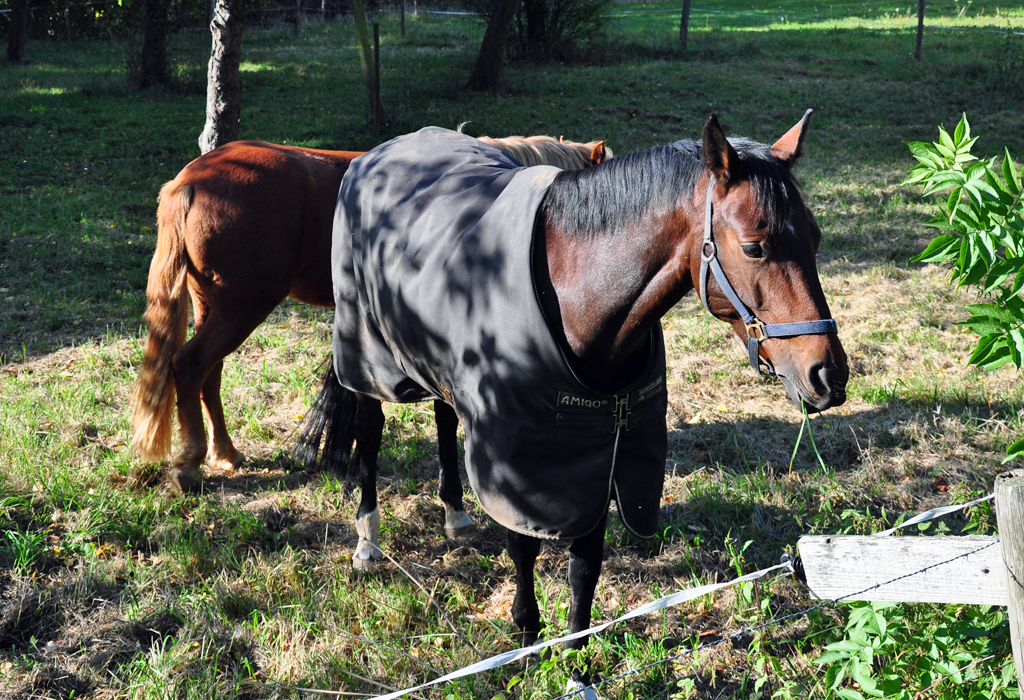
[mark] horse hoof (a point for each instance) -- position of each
(457, 525)
(183, 480)
(228, 462)
(459, 533)
(578, 690)
(364, 565)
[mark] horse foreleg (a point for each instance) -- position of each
(369, 425)
(222, 451)
(456, 522)
(585, 556)
(523, 550)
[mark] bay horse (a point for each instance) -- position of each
(607, 251)
(240, 229)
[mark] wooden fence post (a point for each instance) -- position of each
(920, 28)
(1010, 519)
(298, 15)
(378, 108)
(403, 17)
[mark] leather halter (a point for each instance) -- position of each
(757, 330)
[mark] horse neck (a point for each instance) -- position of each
(613, 286)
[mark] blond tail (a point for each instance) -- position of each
(167, 317)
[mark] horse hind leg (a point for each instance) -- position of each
(197, 369)
(369, 424)
(222, 454)
(456, 522)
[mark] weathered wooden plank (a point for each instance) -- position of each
(840, 565)
(1010, 518)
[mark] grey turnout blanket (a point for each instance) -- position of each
(433, 282)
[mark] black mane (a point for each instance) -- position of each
(617, 193)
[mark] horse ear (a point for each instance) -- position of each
(788, 148)
(597, 154)
(719, 155)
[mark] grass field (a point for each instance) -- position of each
(112, 587)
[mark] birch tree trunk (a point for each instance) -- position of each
(224, 83)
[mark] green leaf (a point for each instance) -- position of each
(830, 657)
(962, 129)
(849, 694)
(939, 250)
(1014, 451)
(993, 311)
(1010, 174)
(835, 675)
(983, 348)
(1017, 346)
(944, 140)
(920, 149)
(999, 356)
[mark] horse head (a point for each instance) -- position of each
(758, 270)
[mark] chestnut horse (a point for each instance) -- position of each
(239, 229)
(614, 247)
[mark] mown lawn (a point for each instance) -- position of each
(113, 587)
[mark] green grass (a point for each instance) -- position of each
(126, 591)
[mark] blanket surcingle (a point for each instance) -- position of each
(435, 299)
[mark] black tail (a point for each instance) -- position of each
(333, 413)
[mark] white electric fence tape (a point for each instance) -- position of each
(654, 606)
(934, 513)
(659, 604)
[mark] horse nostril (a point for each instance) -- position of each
(826, 381)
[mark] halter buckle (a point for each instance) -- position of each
(756, 330)
(708, 257)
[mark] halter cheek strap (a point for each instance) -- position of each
(757, 330)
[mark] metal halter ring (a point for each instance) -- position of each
(757, 329)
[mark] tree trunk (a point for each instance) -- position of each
(535, 12)
(684, 25)
(19, 31)
(920, 28)
(487, 71)
(154, 44)
(224, 83)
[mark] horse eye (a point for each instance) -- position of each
(753, 250)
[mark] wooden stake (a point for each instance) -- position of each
(298, 12)
(1010, 519)
(378, 112)
(403, 17)
(920, 29)
(684, 25)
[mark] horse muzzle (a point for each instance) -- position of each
(821, 386)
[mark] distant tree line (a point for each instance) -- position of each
(95, 19)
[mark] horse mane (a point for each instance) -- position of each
(546, 150)
(618, 193)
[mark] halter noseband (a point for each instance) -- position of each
(757, 330)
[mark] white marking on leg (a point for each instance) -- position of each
(368, 529)
(455, 521)
(582, 692)
(457, 524)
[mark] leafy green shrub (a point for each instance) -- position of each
(551, 29)
(907, 651)
(982, 212)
